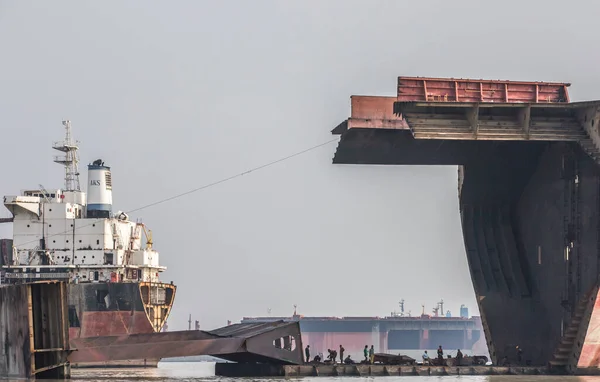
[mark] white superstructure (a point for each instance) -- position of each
(62, 234)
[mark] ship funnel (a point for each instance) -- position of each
(99, 190)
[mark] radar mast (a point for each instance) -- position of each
(70, 159)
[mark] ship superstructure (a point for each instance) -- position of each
(108, 260)
(66, 234)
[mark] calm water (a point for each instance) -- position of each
(204, 371)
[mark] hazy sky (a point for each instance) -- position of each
(175, 95)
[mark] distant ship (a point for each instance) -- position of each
(397, 333)
(114, 286)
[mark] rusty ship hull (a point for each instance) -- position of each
(529, 196)
(113, 309)
(97, 309)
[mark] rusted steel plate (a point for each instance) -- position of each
(371, 112)
(153, 345)
(590, 349)
(470, 90)
(372, 107)
(240, 342)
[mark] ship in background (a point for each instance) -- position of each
(66, 234)
(397, 333)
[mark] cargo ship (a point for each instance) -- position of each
(398, 333)
(67, 234)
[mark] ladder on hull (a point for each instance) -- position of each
(567, 353)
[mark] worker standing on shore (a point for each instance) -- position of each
(342, 353)
(366, 353)
(372, 354)
(459, 357)
(307, 353)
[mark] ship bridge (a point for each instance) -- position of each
(529, 192)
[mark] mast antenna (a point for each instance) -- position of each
(70, 160)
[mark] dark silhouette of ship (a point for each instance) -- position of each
(529, 190)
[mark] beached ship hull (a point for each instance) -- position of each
(110, 309)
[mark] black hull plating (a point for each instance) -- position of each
(100, 297)
(522, 204)
(520, 213)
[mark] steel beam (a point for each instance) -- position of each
(151, 346)
(255, 342)
(473, 118)
(525, 118)
(589, 117)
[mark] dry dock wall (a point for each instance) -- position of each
(33, 331)
(14, 331)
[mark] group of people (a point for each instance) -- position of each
(333, 354)
(440, 357)
(518, 357)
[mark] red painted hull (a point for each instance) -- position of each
(113, 323)
(590, 351)
(117, 309)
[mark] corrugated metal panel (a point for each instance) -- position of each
(247, 330)
(470, 90)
